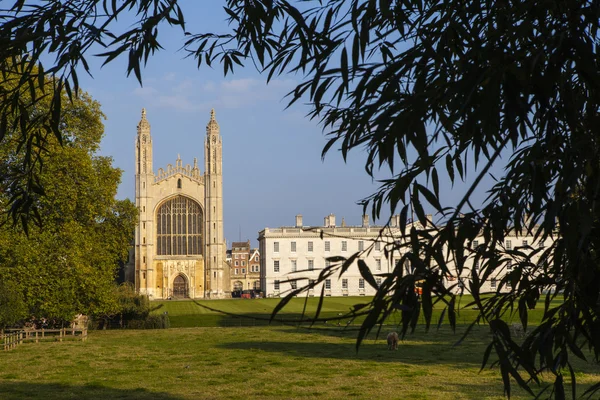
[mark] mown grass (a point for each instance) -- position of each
(254, 362)
(257, 312)
(261, 362)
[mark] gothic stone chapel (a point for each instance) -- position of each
(179, 244)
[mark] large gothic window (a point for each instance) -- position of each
(179, 227)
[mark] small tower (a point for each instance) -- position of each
(217, 279)
(143, 182)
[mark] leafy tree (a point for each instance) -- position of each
(425, 88)
(12, 306)
(67, 265)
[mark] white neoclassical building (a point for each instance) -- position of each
(179, 243)
(301, 252)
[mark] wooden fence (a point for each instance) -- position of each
(10, 338)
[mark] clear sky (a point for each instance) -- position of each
(272, 168)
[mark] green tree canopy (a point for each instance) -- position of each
(67, 264)
(424, 87)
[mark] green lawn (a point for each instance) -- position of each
(259, 362)
(257, 312)
(252, 362)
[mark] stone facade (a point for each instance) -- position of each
(300, 253)
(179, 244)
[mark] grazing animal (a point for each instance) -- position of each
(392, 339)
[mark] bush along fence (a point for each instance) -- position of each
(11, 338)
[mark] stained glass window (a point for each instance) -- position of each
(179, 227)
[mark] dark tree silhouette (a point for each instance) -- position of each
(423, 87)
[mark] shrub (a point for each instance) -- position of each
(152, 321)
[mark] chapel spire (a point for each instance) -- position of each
(143, 125)
(213, 125)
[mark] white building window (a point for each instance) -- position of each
(276, 266)
(276, 285)
(327, 284)
(361, 245)
(294, 265)
(293, 247)
(344, 283)
(310, 246)
(311, 264)
(344, 245)
(361, 283)
(378, 264)
(327, 245)
(276, 247)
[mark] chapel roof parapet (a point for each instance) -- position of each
(191, 172)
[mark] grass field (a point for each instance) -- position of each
(257, 312)
(271, 362)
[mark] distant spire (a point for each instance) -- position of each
(144, 124)
(213, 125)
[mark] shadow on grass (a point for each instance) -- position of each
(408, 352)
(215, 317)
(19, 390)
(220, 318)
(444, 335)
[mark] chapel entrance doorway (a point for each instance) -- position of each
(180, 289)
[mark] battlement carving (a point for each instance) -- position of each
(191, 172)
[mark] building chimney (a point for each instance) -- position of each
(329, 221)
(299, 221)
(365, 220)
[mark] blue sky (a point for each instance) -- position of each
(272, 168)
